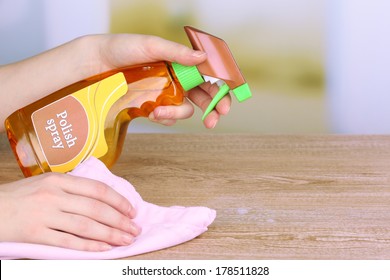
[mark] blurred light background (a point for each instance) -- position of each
(314, 66)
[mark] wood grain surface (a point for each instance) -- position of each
(277, 197)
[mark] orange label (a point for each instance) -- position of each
(72, 128)
(62, 129)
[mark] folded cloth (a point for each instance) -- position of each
(162, 227)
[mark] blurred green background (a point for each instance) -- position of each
(279, 46)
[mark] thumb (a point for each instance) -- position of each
(161, 49)
(158, 49)
(130, 49)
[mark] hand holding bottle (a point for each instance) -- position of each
(130, 49)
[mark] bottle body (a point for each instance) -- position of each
(88, 118)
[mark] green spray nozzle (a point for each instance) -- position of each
(190, 77)
(242, 93)
(223, 90)
(219, 67)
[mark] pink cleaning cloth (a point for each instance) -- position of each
(162, 227)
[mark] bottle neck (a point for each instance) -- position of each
(189, 77)
(147, 86)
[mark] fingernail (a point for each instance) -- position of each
(105, 247)
(162, 113)
(198, 53)
(136, 229)
(157, 114)
(127, 239)
(132, 212)
(214, 125)
(224, 110)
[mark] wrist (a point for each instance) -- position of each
(85, 55)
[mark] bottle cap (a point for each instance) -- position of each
(188, 76)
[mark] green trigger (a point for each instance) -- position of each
(223, 90)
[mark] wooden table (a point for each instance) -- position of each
(277, 197)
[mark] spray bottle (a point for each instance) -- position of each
(90, 117)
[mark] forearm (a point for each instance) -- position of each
(29, 80)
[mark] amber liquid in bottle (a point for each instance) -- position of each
(149, 86)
